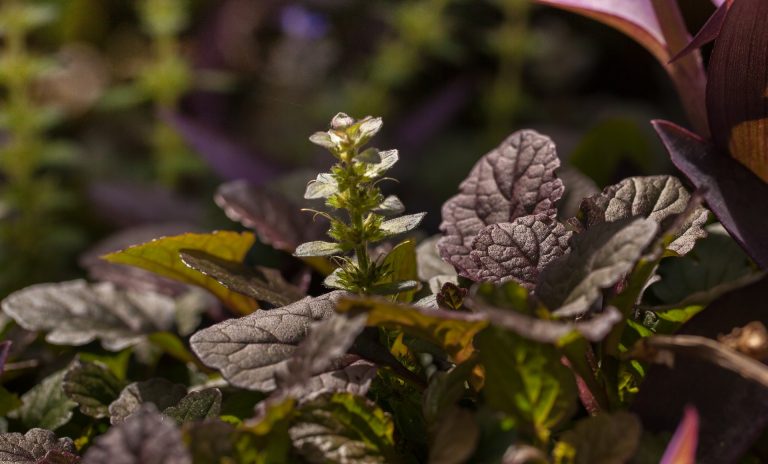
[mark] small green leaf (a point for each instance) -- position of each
(267, 441)
(92, 386)
(391, 206)
(401, 224)
(605, 438)
(46, 405)
(395, 288)
(317, 248)
(526, 380)
(210, 441)
(322, 187)
(403, 272)
(196, 406)
(8, 401)
(388, 159)
(162, 257)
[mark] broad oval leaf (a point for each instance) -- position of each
(659, 198)
(46, 405)
(162, 257)
(92, 386)
(277, 221)
(76, 313)
(599, 258)
(517, 250)
(147, 437)
(515, 179)
(32, 447)
(265, 286)
(249, 351)
(159, 392)
(196, 406)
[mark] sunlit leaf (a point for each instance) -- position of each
(162, 256)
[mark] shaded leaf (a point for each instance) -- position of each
(517, 250)
(660, 198)
(682, 448)
(709, 31)
(736, 86)
(276, 220)
(526, 380)
(451, 330)
(249, 350)
(343, 428)
(45, 405)
(31, 447)
(5, 348)
(196, 406)
(578, 186)
(729, 188)
(430, 264)
(159, 392)
(454, 437)
(162, 256)
(402, 224)
(146, 437)
(262, 284)
(516, 179)
(599, 258)
(92, 386)
(76, 313)
(209, 441)
(318, 248)
(401, 262)
(603, 439)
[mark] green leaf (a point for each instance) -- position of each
(210, 441)
(117, 363)
(160, 392)
(527, 381)
(391, 206)
(454, 438)
(453, 331)
(196, 406)
(401, 224)
(267, 441)
(92, 386)
(8, 401)
(599, 258)
(318, 248)
(605, 438)
(388, 159)
(46, 405)
(401, 263)
(262, 284)
(162, 257)
(322, 187)
(446, 389)
(343, 428)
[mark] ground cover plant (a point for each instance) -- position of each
(549, 321)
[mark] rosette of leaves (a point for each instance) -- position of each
(359, 214)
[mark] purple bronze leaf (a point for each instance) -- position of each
(659, 198)
(733, 193)
(128, 204)
(226, 157)
(516, 250)
(146, 437)
(276, 220)
(32, 447)
(708, 32)
(635, 18)
(516, 179)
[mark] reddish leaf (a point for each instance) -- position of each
(682, 448)
(735, 195)
(737, 103)
(708, 32)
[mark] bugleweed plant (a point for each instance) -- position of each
(521, 334)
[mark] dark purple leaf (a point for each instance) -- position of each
(659, 198)
(147, 437)
(58, 457)
(131, 277)
(32, 447)
(733, 410)
(160, 392)
(736, 90)
(229, 160)
(635, 18)
(276, 220)
(707, 33)
(732, 192)
(516, 179)
(5, 348)
(128, 204)
(516, 250)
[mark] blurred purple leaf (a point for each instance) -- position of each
(707, 33)
(733, 410)
(5, 347)
(682, 447)
(301, 23)
(129, 204)
(226, 157)
(635, 18)
(130, 277)
(736, 91)
(733, 193)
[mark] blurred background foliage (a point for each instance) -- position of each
(118, 113)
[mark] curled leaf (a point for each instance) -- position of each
(76, 313)
(659, 198)
(515, 179)
(517, 250)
